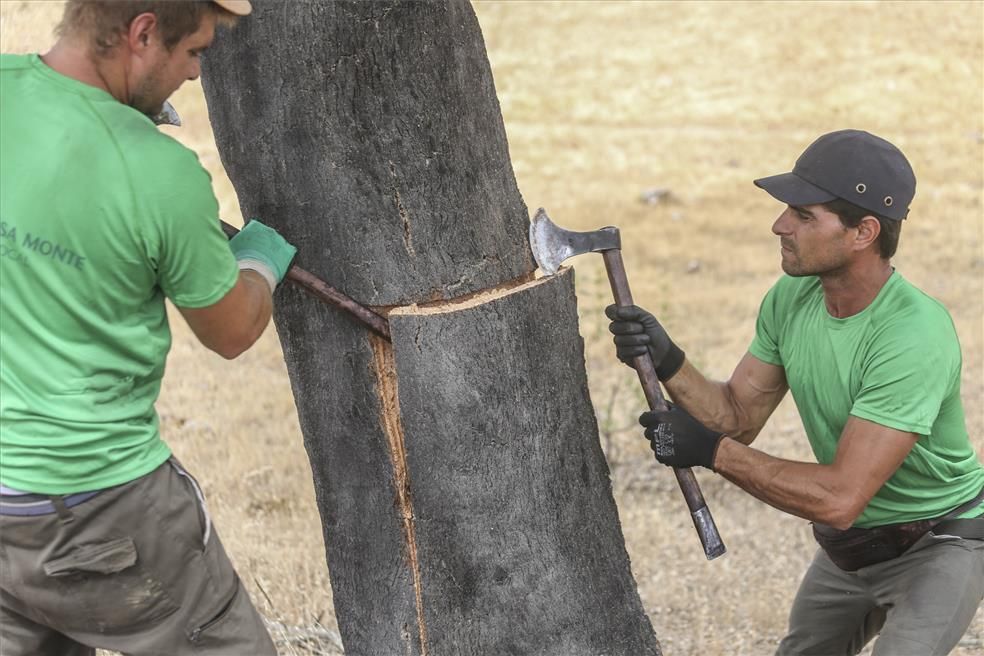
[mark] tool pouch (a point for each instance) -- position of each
(855, 547)
(861, 547)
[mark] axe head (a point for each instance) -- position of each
(167, 116)
(552, 245)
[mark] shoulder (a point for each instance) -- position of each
(908, 318)
(158, 164)
(14, 62)
(905, 306)
(143, 141)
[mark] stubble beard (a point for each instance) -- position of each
(145, 96)
(825, 264)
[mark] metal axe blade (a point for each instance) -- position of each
(167, 116)
(551, 244)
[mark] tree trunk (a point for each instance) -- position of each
(465, 500)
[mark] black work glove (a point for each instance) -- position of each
(636, 332)
(679, 440)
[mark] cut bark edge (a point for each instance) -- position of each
(387, 385)
(514, 286)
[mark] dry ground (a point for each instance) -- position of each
(602, 102)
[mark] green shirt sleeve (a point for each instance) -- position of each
(765, 344)
(195, 267)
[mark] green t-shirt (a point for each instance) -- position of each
(896, 363)
(102, 217)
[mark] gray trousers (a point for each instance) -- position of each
(919, 604)
(136, 569)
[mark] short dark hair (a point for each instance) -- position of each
(851, 216)
(103, 21)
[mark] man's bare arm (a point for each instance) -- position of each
(835, 494)
(739, 407)
(235, 322)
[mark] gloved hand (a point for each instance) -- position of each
(679, 440)
(637, 331)
(262, 249)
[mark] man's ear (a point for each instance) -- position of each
(142, 33)
(868, 231)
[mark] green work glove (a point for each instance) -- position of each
(679, 440)
(638, 332)
(260, 248)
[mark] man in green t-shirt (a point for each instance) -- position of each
(896, 496)
(105, 540)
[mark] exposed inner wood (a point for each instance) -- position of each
(386, 377)
(470, 300)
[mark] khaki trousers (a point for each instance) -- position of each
(919, 604)
(136, 569)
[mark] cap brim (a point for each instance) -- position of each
(237, 7)
(794, 190)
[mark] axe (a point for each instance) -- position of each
(552, 245)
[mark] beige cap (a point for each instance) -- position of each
(237, 7)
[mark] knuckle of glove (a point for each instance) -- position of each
(630, 353)
(611, 310)
(635, 339)
(626, 328)
(627, 312)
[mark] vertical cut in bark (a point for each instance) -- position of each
(388, 388)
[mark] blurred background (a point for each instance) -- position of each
(655, 117)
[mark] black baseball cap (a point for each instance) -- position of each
(853, 165)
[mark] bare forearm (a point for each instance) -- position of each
(232, 325)
(259, 307)
(808, 490)
(709, 401)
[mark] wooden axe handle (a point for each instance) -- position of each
(328, 294)
(703, 521)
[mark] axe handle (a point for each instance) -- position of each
(327, 294)
(703, 521)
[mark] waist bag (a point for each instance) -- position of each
(855, 548)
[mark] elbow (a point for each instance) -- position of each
(840, 522)
(234, 345)
(745, 435)
(841, 511)
(230, 352)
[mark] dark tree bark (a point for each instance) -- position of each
(465, 501)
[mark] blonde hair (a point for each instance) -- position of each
(103, 22)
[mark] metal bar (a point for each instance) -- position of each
(327, 294)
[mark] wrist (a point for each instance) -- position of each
(671, 362)
(724, 455)
(263, 250)
(260, 268)
(713, 465)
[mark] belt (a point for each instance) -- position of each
(27, 505)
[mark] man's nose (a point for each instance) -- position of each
(781, 224)
(195, 70)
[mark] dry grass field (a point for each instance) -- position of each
(602, 102)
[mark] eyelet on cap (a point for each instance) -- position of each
(888, 201)
(861, 188)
